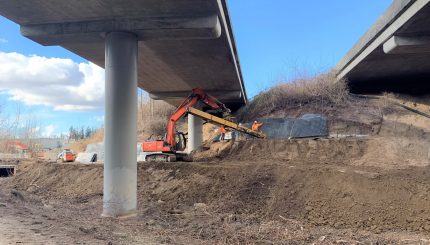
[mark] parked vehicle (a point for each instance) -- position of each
(66, 155)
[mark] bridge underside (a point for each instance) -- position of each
(181, 44)
(394, 54)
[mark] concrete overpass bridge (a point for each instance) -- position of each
(166, 47)
(393, 55)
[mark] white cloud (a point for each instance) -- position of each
(49, 131)
(59, 83)
(100, 119)
(3, 40)
(34, 130)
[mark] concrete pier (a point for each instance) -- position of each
(120, 167)
(195, 133)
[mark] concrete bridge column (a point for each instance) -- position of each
(120, 167)
(195, 133)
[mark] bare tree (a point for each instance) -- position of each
(153, 117)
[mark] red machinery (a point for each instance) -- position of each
(174, 142)
(66, 156)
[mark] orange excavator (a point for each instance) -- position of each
(167, 150)
(171, 148)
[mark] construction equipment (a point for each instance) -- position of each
(224, 122)
(171, 148)
(66, 156)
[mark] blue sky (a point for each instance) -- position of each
(276, 39)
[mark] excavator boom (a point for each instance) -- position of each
(226, 123)
(196, 96)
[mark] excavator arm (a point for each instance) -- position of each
(226, 123)
(196, 96)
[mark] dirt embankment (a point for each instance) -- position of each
(372, 189)
(284, 151)
(252, 192)
(60, 180)
(384, 152)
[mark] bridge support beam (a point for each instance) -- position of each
(195, 133)
(407, 45)
(120, 167)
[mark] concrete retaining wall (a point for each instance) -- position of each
(98, 148)
(307, 126)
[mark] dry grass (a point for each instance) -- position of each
(320, 93)
(81, 145)
(4, 146)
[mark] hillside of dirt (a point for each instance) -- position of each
(367, 183)
(372, 187)
(263, 201)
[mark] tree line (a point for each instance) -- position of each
(78, 133)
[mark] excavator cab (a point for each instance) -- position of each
(181, 141)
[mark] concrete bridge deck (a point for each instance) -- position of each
(393, 55)
(182, 44)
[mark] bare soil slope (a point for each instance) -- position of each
(369, 183)
(265, 192)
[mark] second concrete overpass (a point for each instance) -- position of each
(393, 55)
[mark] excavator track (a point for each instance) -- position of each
(160, 157)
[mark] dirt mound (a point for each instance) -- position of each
(256, 191)
(59, 180)
(395, 152)
(312, 150)
(386, 152)
(294, 191)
